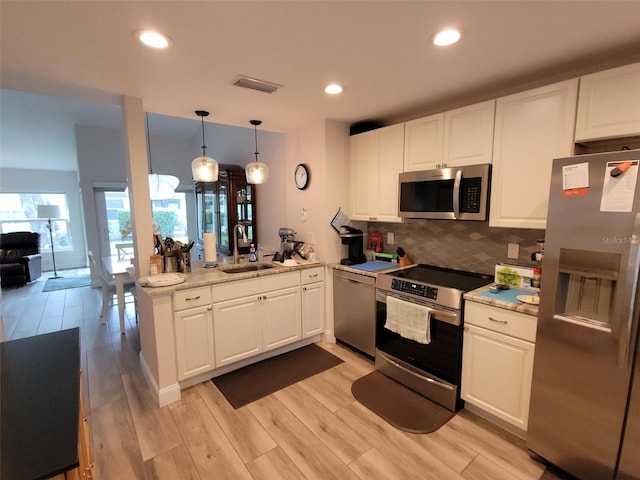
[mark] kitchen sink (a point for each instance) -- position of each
(246, 268)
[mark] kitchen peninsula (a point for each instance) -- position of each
(224, 318)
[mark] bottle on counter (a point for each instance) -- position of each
(260, 252)
(253, 257)
(537, 274)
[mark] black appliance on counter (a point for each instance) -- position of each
(354, 238)
(434, 369)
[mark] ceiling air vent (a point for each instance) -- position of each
(255, 84)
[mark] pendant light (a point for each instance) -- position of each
(161, 187)
(257, 172)
(204, 169)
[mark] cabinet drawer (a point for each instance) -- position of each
(192, 297)
(515, 324)
(255, 286)
(312, 275)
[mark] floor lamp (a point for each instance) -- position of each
(49, 212)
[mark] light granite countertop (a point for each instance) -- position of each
(201, 276)
(503, 299)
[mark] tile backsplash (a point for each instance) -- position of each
(471, 246)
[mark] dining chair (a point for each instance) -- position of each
(108, 287)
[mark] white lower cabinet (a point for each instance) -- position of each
(313, 310)
(221, 324)
(497, 362)
(255, 315)
(281, 318)
(194, 332)
(237, 329)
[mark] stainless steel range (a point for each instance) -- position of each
(431, 368)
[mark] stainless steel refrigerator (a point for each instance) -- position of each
(585, 401)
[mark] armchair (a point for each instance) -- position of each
(20, 259)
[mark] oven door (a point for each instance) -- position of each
(432, 370)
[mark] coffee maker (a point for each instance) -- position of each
(354, 238)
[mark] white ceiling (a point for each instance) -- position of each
(380, 51)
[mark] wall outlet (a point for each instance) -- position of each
(513, 250)
(391, 238)
(311, 238)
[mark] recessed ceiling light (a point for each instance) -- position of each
(153, 39)
(333, 89)
(446, 37)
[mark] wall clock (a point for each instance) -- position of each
(302, 176)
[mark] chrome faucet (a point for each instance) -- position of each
(235, 240)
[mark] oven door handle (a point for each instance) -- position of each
(422, 378)
(382, 297)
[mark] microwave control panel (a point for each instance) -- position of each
(470, 201)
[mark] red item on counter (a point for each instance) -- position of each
(375, 242)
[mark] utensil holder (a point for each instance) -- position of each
(184, 262)
(170, 264)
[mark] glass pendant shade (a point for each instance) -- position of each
(257, 172)
(162, 187)
(204, 169)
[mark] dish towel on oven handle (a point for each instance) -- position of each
(409, 320)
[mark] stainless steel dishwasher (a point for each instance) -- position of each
(354, 310)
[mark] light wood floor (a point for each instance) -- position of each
(314, 429)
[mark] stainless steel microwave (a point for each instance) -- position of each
(458, 193)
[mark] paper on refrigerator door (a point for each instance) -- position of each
(575, 179)
(618, 191)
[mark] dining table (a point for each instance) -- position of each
(120, 270)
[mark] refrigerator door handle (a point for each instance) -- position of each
(624, 351)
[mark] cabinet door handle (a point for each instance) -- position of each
(504, 322)
(304, 288)
(188, 299)
(209, 308)
(313, 276)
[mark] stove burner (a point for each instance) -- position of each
(444, 277)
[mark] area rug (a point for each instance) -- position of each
(63, 283)
(253, 382)
(401, 407)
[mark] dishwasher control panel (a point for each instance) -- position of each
(413, 288)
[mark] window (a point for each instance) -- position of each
(169, 219)
(19, 213)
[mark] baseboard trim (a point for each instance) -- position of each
(163, 396)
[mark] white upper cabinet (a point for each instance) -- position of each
(376, 162)
(609, 104)
(423, 143)
(468, 135)
(455, 138)
(531, 129)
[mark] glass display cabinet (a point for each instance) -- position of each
(223, 204)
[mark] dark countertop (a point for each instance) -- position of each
(370, 268)
(40, 381)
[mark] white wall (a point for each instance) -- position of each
(46, 181)
(324, 147)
